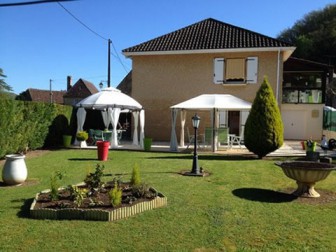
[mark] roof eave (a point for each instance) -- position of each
(287, 51)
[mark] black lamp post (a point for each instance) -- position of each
(195, 122)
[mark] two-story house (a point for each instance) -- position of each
(211, 57)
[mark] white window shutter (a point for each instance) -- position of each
(252, 70)
(219, 70)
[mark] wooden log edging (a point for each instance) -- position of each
(97, 214)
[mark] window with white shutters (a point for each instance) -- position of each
(236, 70)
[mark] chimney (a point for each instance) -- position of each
(69, 82)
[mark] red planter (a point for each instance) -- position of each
(103, 147)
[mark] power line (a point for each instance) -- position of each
(97, 34)
(119, 58)
(78, 20)
(33, 2)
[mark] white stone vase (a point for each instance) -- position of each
(15, 170)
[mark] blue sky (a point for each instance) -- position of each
(42, 42)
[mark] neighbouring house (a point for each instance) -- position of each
(80, 90)
(39, 95)
(208, 57)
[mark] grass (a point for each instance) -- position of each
(239, 207)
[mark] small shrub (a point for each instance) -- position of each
(143, 191)
(77, 194)
(115, 195)
(93, 180)
(82, 136)
(136, 179)
(54, 184)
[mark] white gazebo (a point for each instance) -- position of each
(206, 102)
(111, 102)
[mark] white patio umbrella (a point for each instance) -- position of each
(111, 102)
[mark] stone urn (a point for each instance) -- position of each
(306, 174)
(15, 170)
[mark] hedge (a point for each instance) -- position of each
(32, 125)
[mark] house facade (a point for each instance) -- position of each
(208, 57)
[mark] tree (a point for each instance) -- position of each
(3, 85)
(263, 128)
(314, 36)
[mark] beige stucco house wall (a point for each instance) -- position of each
(161, 81)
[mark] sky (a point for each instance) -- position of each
(43, 42)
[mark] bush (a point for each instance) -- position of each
(263, 128)
(82, 135)
(115, 195)
(30, 125)
(136, 179)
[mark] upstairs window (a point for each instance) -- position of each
(236, 70)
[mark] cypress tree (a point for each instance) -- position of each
(263, 128)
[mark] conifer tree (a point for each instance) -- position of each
(264, 128)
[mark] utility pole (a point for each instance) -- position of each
(50, 90)
(108, 64)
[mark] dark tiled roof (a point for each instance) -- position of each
(39, 95)
(209, 34)
(81, 89)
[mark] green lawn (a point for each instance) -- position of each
(238, 208)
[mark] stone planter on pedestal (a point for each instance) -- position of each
(306, 174)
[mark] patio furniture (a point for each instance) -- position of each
(95, 135)
(107, 136)
(234, 139)
(207, 136)
(223, 137)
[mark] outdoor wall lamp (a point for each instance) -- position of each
(101, 85)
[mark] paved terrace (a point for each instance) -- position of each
(289, 148)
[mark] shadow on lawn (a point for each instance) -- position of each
(83, 159)
(25, 208)
(263, 195)
(208, 157)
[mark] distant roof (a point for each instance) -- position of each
(39, 95)
(81, 89)
(126, 84)
(209, 34)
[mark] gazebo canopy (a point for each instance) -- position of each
(214, 101)
(109, 98)
(111, 102)
(210, 102)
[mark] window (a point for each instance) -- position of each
(235, 70)
(303, 87)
